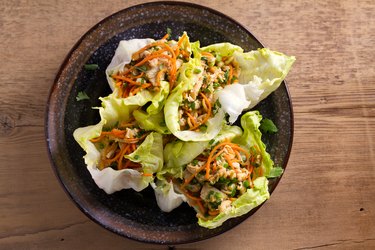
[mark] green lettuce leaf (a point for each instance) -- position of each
(166, 196)
(222, 49)
(149, 154)
(122, 57)
(150, 122)
(244, 204)
(179, 153)
(252, 136)
(186, 81)
(262, 72)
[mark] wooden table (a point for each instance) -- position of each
(326, 198)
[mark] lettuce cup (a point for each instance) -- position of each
(120, 154)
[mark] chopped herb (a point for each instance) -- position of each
(203, 128)
(246, 184)
(234, 78)
(143, 80)
(125, 84)
(206, 90)
(275, 172)
(136, 157)
(91, 66)
(217, 103)
(197, 71)
(142, 68)
(204, 58)
(192, 105)
(223, 180)
(216, 85)
(233, 193)
(169, 32)
(211, 141)
(267, 126)
(82, 96)
(226, 75)
(194, 162)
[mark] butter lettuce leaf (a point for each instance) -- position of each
(123, 56)
(252, 136)
(179, 153)
(244, 204)
(151, 122)
(262, 72)
(187, 81)
(149, 154)
(166, 196)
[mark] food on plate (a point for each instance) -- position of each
(168, 124)
(119, 153)
(219, 177)
(145, 70)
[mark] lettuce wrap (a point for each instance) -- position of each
(120, 155)
(222, 178)
(143, 71)
(260, 72)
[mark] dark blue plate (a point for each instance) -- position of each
(129, 213)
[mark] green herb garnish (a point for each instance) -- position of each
(82, 96)
(142, 68)
(267, 126)
(91, 66)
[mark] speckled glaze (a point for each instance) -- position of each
(128, 213)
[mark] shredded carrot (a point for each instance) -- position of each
(229, 81)
(191, 196)
(213, 213)
(126, 79)
(207, 116)
(194, 122)
(165, 37)
(226, 157)
(201, 207)
(212, 153)
(123, 152)
(146, 174)
(182, 38)
(158, 76)
(157, 43)
(187, 181)
(207, 54)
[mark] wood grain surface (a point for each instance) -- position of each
(326, 198)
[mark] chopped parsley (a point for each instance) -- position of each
(142, 68)
(91, 66)
(82, 96)
(267, 126)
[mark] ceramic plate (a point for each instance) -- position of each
(129, 213)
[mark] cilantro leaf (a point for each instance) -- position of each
(267, 126)
(275, 172)
(169, 32)
(91, 66)
(82, 96)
